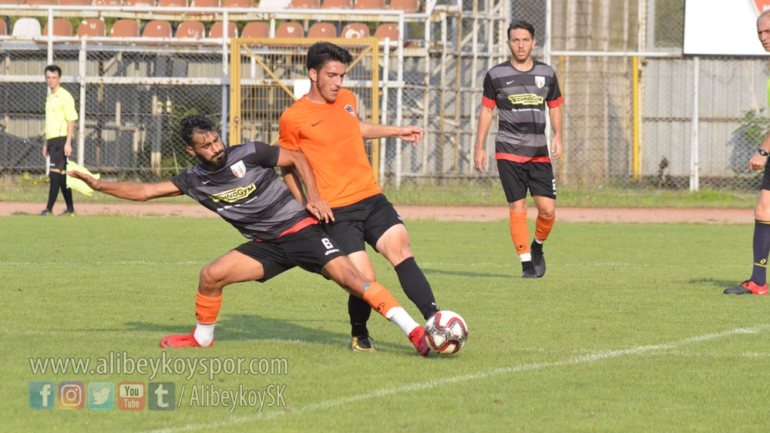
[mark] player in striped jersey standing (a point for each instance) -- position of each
(521, 89)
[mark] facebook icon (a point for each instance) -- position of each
(161, 395)
(41, 395)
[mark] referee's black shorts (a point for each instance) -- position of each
(518, 177)
(56, 152)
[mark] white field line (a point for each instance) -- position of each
(583, 359)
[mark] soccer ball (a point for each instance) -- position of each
(446, 332)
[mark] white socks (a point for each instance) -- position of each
(400, 317)
(526, 257)
(204, 334)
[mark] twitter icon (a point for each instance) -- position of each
(101, 396)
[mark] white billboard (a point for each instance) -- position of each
(723, 27)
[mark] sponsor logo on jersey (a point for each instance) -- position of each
(234, 195)
(761, 5)
(526, 99)
(349, 109)
(539, 82)
(239, 169)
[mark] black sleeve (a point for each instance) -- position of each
(489, 88)
(180, 181)
(264, 155)
(554, 92)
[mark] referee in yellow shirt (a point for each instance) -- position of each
(60, 117)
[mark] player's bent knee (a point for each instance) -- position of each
(210, 279)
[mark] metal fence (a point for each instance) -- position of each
(637, 112)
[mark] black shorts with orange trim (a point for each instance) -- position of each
(362, 223)
(310, 249)
(518, 177)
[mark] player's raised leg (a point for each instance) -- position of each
(757, 284)
(233, 267)
(342, 271)
(394, 245)
(546, 215)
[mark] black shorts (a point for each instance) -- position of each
(56, 152)
(517, 177)
(766, 177)
(366, 220)
(310, 249)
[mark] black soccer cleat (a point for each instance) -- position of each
(361, 343)
(528, 270)
(537, 258)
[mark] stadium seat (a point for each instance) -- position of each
(387, 31)
(337, 4)
(369, 4)
(305, 4)
(290, 30)
(355, 31)
(216, 30)
(256, 29)
(28, 27)
(145, 3)
(322, 30)
(41, 2)
(239, 3)
(107, 2)
(74, 2)
(125, 29)
(204, 3)
(92, 27)
(11, 2)
(191, 30)
(61, 27)
(157, 29)
(3, 28)
(408, 6)
(172, 3)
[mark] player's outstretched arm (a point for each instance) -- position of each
(485, 120)
(129, 190)
(412, 134)
(316, 206)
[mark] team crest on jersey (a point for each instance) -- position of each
(349, 109)
(239, 169)
(539, 82)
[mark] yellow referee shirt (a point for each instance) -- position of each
(59, 109)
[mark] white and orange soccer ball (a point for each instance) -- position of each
(446, 332)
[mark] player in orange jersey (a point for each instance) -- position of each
(324, 125)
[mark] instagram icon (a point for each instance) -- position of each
(71, 395)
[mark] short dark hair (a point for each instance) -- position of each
(521, 24)
(53, 68)
(320, 53)
(196, 124)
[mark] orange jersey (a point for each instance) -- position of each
(330, 137)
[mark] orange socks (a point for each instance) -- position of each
(207, 309)
(380, 299)
(543, 227)
(520, 231)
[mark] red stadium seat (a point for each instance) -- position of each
(42, 2)
(322, 30)
(125, 29)
(172, 3)
(355, 31)
(11, 2)
(204, 4)
(74, 2)
(26, 27)
(408, 6)
(145, 3)
(387, 31)
(157, 29)
(370, 4)
(290, 30)
(256, 29)
(239, 4)
(216, 30)
(92, 27)
(191, 30)
(337, 4)
(61, 27)
(3, 28)
(305, 4)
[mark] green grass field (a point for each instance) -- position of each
(628, 331)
